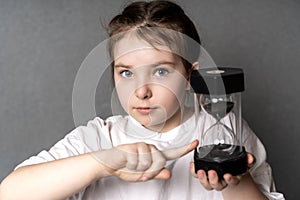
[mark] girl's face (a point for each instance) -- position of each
(151, 86)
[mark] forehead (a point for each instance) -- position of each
(131, 43)
(146, 57)
(131, 50)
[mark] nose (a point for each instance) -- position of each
(143, 92)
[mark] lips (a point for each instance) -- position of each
(144, 110)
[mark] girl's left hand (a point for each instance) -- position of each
(210, 181)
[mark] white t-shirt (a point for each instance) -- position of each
(103, 134)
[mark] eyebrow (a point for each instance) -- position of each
(152, 65)
(122, 66)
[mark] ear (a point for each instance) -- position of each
(195, 66)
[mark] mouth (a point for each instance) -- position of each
(145, 110)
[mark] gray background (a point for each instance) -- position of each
(42, 44)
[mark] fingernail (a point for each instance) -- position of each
(144, 178)
(201, 175)
(211, 175)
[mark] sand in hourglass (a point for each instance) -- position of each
(219, 109)
(223, 158)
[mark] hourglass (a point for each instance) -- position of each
(217, 93)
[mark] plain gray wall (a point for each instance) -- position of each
(43, 43)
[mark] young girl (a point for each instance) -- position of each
(148, 153)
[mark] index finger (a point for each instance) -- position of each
(175, 153)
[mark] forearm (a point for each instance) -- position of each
(52, 180)
(246, 190)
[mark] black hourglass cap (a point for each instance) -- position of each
(217, 81)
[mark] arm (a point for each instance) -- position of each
(61, 178)
(51, 180)
(246, 189)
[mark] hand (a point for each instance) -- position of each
(139, 161)
(211, 180)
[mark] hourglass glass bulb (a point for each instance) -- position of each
(217, 106)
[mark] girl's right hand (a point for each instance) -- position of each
(138, 161)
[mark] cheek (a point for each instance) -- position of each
(175, 90)
(170, 98)
(124, 92)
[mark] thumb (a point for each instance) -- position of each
(163, 174)
(250, 160)
(172, 154)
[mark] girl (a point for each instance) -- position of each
(146, 154)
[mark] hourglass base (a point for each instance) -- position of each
(217, 158)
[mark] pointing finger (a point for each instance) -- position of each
(172, 154)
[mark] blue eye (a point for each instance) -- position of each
(126, 73)
(161, 72)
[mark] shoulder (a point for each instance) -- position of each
(253, 142)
